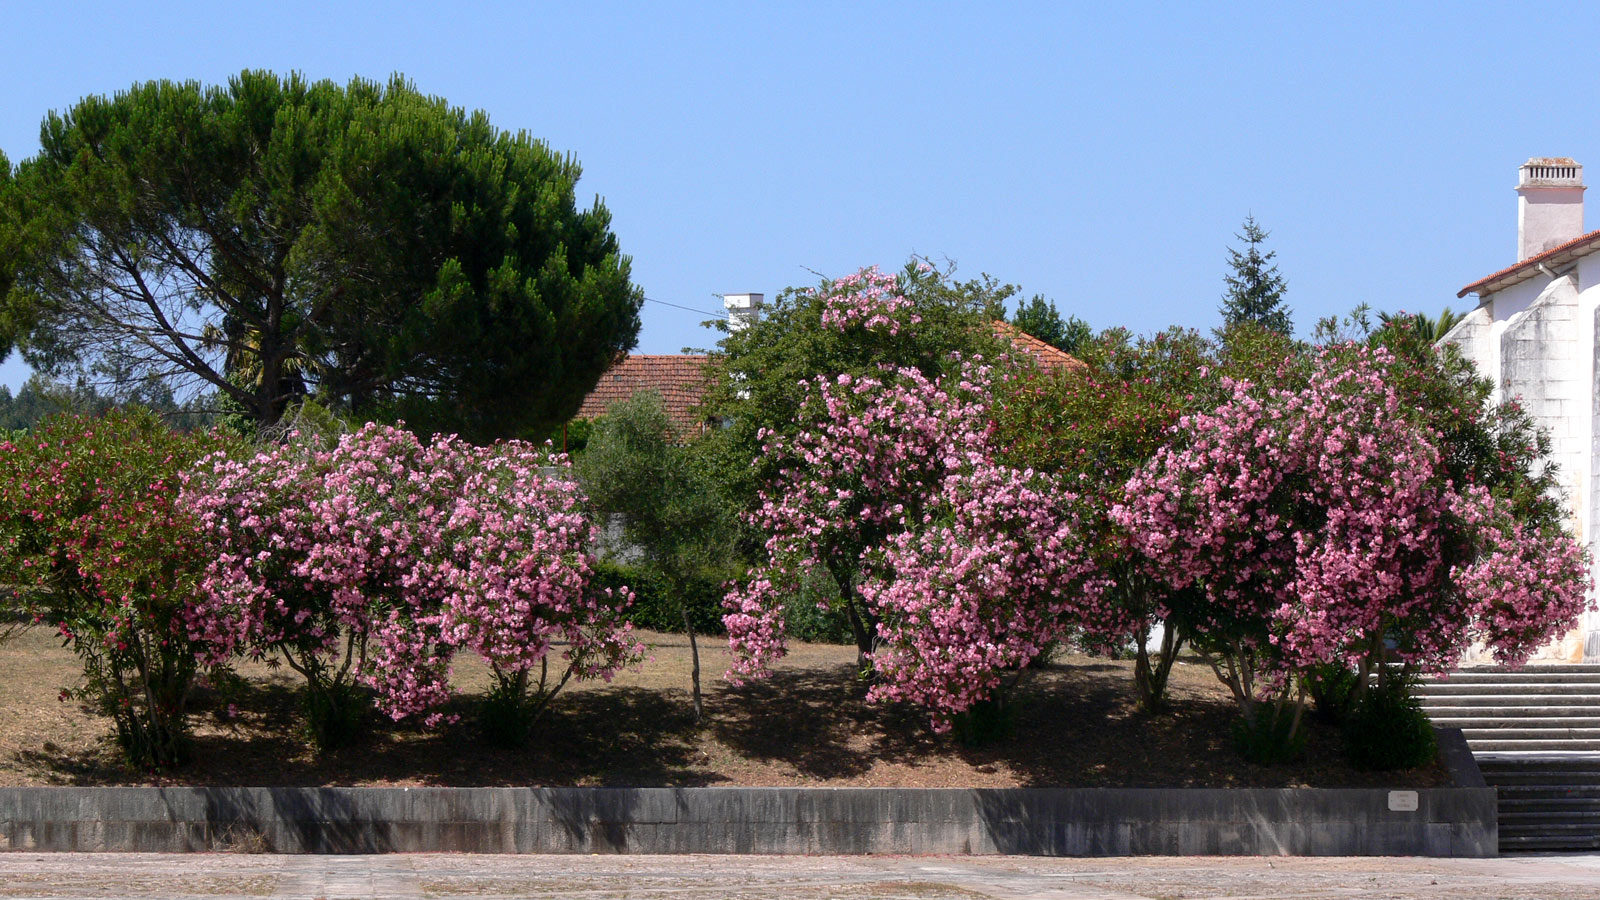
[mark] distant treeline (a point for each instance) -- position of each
(41, 397)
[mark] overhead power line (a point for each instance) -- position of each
(719, 315)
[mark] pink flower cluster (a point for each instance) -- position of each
(383, 556)
(996, 571)
(971, 567)
(1320, 525)
(869, 300)
(871, 449)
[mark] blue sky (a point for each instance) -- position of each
(1102, 155)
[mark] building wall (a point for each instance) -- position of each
(1537, 340)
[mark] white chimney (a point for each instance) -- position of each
(744, 310)
(1549, 204)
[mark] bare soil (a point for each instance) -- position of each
(809, 725)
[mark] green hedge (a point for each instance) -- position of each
(653, 605)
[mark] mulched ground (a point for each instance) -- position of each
(1076, 726)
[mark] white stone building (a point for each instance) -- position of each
(1534, 333)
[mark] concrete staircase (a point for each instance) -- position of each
(1535, 733)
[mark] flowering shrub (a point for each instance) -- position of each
(371, 562)
(1320, 526)
(970, 567)
(870, 451)
(869, 300)
(93, 534)
(995, 572)
(520, 580)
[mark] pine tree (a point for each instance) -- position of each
(1040, 318)
(274, 240)
(1255, 289)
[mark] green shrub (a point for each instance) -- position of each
(807, 621)
(1270, 737)
(1333, 691)
(336, 713)
(506, 714)
(653, 605)
(1388, 730)
(985, 722)
(95, 540)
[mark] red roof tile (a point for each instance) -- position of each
(1522, 271)
(680, 380)
(1049, 357)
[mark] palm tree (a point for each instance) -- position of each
(1434, 329)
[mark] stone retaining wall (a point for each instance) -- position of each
(1047, 822)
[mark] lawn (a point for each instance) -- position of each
(808, 725)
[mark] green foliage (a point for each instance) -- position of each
(667, 501)
(1039, 318)
(1333, 690)
(572, 437)
(1498, 446)
(10, 249)
(656, 607)
(987, 722)
(1270, 737)
(757, 373)
(274, 239)
(1096, 425)
(1255, 288)
(1388, 729)
(93, 536)
(336, 712)
(40, 397)
(806, 620)
(1431, 329)
(669, 505)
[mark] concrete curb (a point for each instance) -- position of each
(1040, 822)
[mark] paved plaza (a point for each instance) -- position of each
(112, 875)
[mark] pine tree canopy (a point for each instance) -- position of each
(274, 240)
(1040, 318)
(1255, 289)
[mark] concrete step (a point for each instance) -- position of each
(1488, 745)
(1546, 796)
(1523, 816)
(1555, 672)
(1520, 678)
(1535, 729)
(1522, 671)
(1573, 828)
(1479, 722)
(1512, 712)
(1544, 843)
(1535, 779)
(1558, 765)
(1542, 687)
(1559, 799)
(1515, 700)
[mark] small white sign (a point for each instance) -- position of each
(1402, 801)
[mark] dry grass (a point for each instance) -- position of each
(807, 725)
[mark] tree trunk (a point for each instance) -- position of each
(862, 625)
(694, 653)
(1152, 680)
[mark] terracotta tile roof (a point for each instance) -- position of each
(1528, 268)
(680, 380)
(1049, 357)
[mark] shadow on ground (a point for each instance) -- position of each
(1075, 725)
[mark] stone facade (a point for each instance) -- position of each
(1534, 332)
